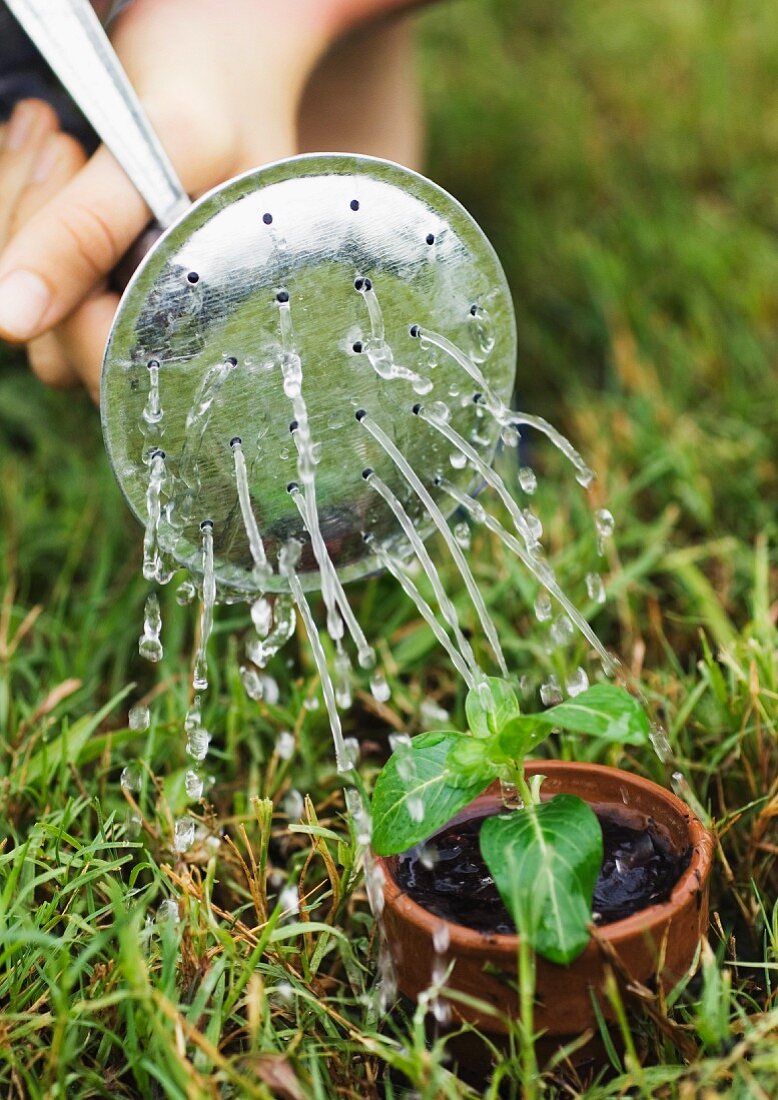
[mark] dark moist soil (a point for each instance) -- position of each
(448, 877)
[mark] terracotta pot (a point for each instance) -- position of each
(658, 942)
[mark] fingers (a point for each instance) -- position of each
(83, 336)
(20, 145)
(67, 248)
(58, 158)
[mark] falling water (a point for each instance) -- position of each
(605, 525)
(139, 717)
(331, 589)
(262, 569)
(335, 590)
(260, 650)
(343, 672)
(287, 561)
(500, 411)
(440, 522)
(538, 569)
(197, 421)
(152, 410)
(395, 566)
(584, 475)
(200, 666)
(149, 645)
(440, 423)
(595, 588)
(446, 606)
(151, 557)
(378, 351)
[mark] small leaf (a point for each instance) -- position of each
(415, 779)
(490, 705)
(603, 710)
(545, 860)
(469, 762)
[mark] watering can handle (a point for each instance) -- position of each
(71, 39)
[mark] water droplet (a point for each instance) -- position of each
(662, 746)
(283, 992)
(510, 436)
(584, 476)
(289, 900)
(577, 682)
(343, 680)
(380, 688)
(439, 412)
(509, 793)
(252, 683)
(193, 784)
(271, 690)
(132, 824)
(294, 805)
(374, 882)
(149, 645)
(139, 717)
(311, 703)
(131, 778)
(562, 630)
(550, 692)
(193, 717)
(167, 912)
(431, 716)
(197, 742)
(595, 587)
(422, 386)
(534, 525)
(262, 616)
(457, 460)
(527, 479)
(285, 745)
(184, 834)
(441, 937)
(351, 751)
(415, 808)
(605, 525)
(462, 535)
(543, 608)
(185, 593)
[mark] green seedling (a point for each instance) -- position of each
(545, 854)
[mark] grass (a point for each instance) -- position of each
(624, 160)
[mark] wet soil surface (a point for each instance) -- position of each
(449, 878)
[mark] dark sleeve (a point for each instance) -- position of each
(25, 75)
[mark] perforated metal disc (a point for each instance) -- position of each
(308, 228)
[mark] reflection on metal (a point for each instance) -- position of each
(209, 294)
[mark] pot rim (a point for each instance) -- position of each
(651, 918)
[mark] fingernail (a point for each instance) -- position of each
(21, 125)
(47, 160)
(24, 298)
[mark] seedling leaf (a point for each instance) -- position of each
(418, 777)
(604, 711)
(545, 860)
(490, 705)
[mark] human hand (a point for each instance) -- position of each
(221, 82)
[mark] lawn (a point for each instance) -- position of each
(623, 158)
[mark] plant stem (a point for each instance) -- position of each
(527, 1006)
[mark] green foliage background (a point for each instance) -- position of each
(623, 158)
